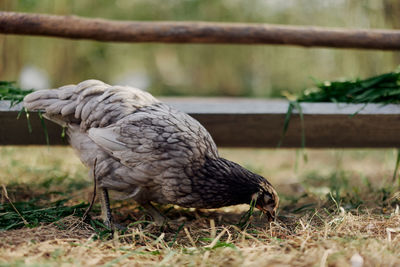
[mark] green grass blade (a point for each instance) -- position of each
(303, 132)
(245, 219)
(286, 122)
(63, 133)
(28, 121)
(396, 167)
(176, 234)
(297, 106)
(44, 128)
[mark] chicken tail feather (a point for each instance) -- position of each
(65, 104)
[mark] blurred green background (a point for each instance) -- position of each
(217, 70)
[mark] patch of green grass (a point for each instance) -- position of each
(384, 88)
(39, 210)
(31, 213)
(347, 194)
(9, 91)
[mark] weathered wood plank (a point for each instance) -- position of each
(195, 32)
(252, 123)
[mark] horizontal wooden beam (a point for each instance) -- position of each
(251, 123)
(195, 32)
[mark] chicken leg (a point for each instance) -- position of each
(105, 209)
(158, 218)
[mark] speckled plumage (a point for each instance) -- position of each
(145, 149)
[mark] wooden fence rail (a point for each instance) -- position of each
(235, 122)
(195, 32)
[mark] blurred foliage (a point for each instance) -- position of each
(229, 70)
(384, 88)
(9, 91)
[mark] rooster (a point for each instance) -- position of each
(146, 150)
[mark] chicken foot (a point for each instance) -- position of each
(158, 218)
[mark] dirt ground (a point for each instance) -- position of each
(339, 208)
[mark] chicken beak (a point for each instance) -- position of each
(270, 215)
(268, 211)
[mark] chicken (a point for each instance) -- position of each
(148, 151)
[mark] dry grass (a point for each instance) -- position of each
(339, 209)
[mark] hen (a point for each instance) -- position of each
(148, 151)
